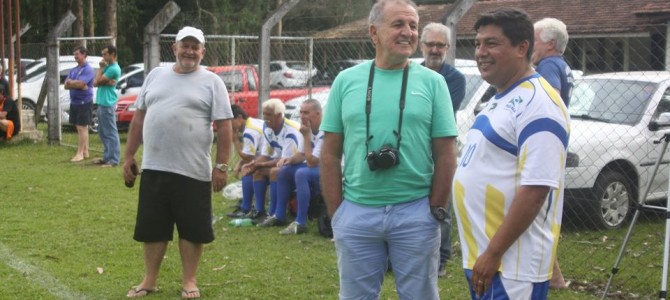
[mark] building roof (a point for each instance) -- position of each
(582, 17)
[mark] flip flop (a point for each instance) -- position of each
(137, 292)
(192, 294)
(99, 161)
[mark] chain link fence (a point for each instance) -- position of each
(618, 126)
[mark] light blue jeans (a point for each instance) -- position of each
(367, 237)
(109, 135)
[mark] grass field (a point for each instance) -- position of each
(66, 233)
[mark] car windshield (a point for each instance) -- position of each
(610, 100)
(35, 74)
(232, 79)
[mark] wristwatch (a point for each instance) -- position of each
(439, 212)
(222, 167)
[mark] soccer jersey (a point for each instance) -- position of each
(519, 139)
(252, 136)
(317, 142)
(282, 144)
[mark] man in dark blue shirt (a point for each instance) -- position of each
(435, 41)
(551, 38)
(434, 46)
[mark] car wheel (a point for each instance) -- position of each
(28, 105)
(93, 128)
(613, 200)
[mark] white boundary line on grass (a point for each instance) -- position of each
(35, 275)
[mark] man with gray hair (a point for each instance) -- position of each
(551, 38)
(388, 203)
(435, 42)
(281, 155)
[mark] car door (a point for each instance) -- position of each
(276, 74)
(658, 133)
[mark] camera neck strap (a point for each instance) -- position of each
(368, 105)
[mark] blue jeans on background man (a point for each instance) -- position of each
(368, 237)
(109, 135)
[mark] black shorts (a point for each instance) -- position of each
(81, 114)
(167, 199)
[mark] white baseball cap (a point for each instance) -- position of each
(192, 32)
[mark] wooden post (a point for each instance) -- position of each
(152, 32)
(456, 11)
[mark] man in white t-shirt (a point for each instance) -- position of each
(508, 187)
(175, 111)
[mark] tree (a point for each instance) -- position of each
(78, 10)
(110, 20)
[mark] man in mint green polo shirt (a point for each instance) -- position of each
(392, 121)
(105, 79)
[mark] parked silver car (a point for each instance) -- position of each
(616, 117)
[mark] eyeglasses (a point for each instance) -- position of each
(436, 45)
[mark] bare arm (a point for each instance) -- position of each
(331, 171)
(101, 79)
(444, 155)
(525, 207)
(310, 160)
(224, 138)
(75, 84)
(296, 158)
(133, 143)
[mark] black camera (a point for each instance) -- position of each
(383, 159)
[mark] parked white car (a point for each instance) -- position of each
(290, 73)
(292, 111)
(616, 119)
(132, 78)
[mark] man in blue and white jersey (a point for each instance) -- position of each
(248, 133)
(307, 177)
(282, 146)
(508, 187)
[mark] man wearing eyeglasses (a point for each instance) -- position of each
(434, 46)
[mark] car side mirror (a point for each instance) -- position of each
(124, 87)
(662, 120)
